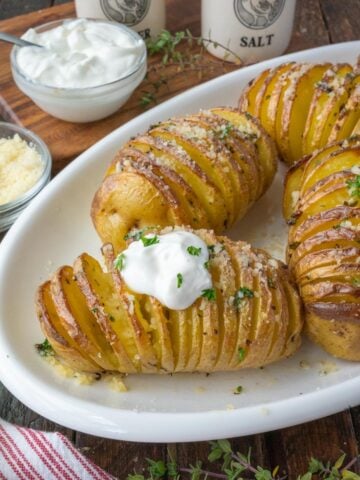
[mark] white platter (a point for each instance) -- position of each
(56, 228)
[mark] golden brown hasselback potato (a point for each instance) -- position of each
(95, 323)
(304, 107)
(203, 170)
(322, 205)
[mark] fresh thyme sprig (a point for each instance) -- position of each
(237, 466)
(180, 53)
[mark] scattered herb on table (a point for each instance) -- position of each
(180, 54)
(233, 465)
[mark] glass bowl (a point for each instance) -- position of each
(11, 210)
(82, 104)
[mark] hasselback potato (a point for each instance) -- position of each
(95, 323)
(203, 170)
(304, 107)
(322, 205)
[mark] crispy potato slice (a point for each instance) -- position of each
(325, 239)
(270, 98)
(325, 258)
(328, 96)
(244, 154)
(223, 276)
(332, 218)
(78, 320)
(64, 345)
(343, 159)
(232, 147)
(349, 114)
(249, 127)
(295, 320)
(109, 310)
(295, 103)
(325, 194)
(248, 100)
(292, 187)
(137, 317)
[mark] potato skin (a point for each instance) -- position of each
(324, 244)
(203, 170)
(208, 336)
(304, 107)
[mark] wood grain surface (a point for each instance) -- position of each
(318, 22)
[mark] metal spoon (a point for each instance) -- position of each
(6, 37)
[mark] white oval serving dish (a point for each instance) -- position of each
(56, 227)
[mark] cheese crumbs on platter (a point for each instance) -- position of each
(21, 167)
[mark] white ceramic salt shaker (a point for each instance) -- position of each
(147, 17)
(253, 29)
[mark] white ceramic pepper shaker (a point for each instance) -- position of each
(147, 17)
(253, 29)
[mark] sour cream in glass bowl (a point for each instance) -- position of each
(86, 70)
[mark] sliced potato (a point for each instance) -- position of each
(295, 104)
(329, 94)
(79, 321)
(324, 245)
(247, 324)
(64, 345)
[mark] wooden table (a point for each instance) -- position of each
(318, 22)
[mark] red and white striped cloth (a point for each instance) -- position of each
(27, 454)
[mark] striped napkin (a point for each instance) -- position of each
(27, 454)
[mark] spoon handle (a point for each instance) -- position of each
(6, 37)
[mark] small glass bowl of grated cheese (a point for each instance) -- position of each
(25, 168)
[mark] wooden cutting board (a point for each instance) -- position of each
(67, 140)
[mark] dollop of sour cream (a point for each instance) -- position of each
(79, 53)
(170, 267)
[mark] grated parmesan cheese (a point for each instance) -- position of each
(21, 167)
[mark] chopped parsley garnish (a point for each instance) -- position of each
(209, 293)
(119, 262)
(241, 354)
(207, 265)
(239, 389)
(355, 281)
(194, 250)
(241, 294)
(354, 186)
(45, 349)
(225, 130)
(149, 241)
(270, 282)
(179, 280)
(137, 234)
